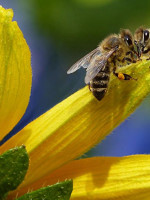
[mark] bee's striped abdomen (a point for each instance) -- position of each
(99, 84)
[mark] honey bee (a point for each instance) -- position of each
(115, 50)
(142, 41)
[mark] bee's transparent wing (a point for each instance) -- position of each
(85, 61)
(96, 65)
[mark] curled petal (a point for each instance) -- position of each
(102, 178)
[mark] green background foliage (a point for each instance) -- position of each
(81, 24)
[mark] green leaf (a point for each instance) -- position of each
(60, 191)
(13, 167)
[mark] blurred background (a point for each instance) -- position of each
(59, 32)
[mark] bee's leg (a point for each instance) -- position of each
(122, 76)
(132, 54)
(114, 60)
(89, 86)
(146, 51)
(128, 59)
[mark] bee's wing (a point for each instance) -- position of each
(96, 65)
(85, 61)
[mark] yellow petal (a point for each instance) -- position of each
(79, 122)
(15, 73)
(103, 178)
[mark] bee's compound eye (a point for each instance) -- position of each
(128, 41)
(146, 35)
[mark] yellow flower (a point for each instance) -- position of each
(71, 128)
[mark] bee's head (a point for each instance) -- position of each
(141, 39)
(127, 39)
